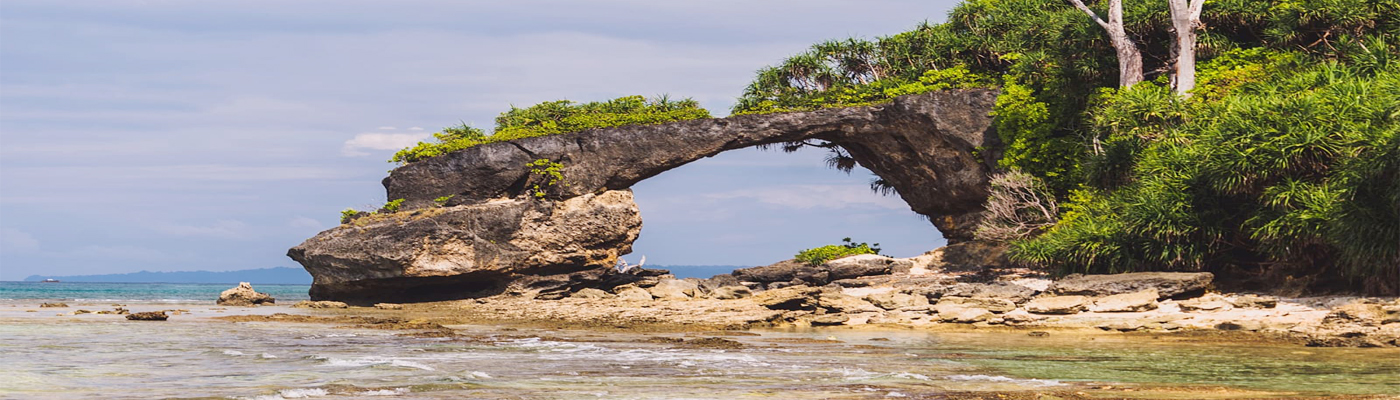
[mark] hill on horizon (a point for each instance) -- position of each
(277, 275)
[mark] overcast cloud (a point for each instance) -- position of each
(189, 135)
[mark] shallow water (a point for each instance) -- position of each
(138, 292)
(191, 356)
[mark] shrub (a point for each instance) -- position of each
(557, 117)
(348, 215)
(1020, 206)
(392, 206)
(820, 255)
(444, 199)
(544, 175)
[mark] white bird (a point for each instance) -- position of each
(623, 267)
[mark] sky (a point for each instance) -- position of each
(199, 135)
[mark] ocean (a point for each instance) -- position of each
(139, 292)
(62, 353)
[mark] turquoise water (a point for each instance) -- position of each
(152, 292)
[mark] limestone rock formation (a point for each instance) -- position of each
(244, 296)
(470, 250)
(497, 232)
(936, 149)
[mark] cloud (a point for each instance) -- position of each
(832, 197)
(356, 146)
(387, 128)
(13, 240)
(222, 229)
(121, 252)
(305, 222)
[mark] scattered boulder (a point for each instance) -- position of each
(116, 311)
(896, 300)
(961, 313)
(82, 312)
(320, 304)
(632, 293)
(990, 304)
(1018, 317)
(997, 290)
(53, 305)
(1210, 302)
(859, 265)
(148, 316)
(591, 293)
(673, 289)
(1168, 284)
(730, 292)
(388, 306)
(1254, 301)
(1058, 304)
(1127, 302)
(244, 296)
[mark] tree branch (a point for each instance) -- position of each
(1080, 5)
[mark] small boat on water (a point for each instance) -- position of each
(51, 280)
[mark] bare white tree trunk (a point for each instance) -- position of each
(1186, 19)
(1129, 58)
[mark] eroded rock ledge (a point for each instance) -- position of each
(468, 251)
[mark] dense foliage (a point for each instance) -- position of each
(820, 255)
(556, 117)
(1283, 162)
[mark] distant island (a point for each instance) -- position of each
(278, 275)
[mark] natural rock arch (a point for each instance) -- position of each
(937, 151)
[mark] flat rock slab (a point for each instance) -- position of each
(1167, 284)
(1127, 302)
(990, 304)
(1058, 305)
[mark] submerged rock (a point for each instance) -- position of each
(244, 296)
(148, 316)
(447, 253)
(320, 304)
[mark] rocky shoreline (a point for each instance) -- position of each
(926, 292)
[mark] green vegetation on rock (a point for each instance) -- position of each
(557, 117)
(820, 255)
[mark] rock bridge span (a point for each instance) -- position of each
(937, 150)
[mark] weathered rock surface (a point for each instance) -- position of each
(989, 304)
(1058, 304)
(961, 313)
(1167, 284)
(469, 251)
(996, 290)
(1127, 302)
(320, 304)
(244, 296)
(731, 292)
(633, 293)
(893, 300)
(1209, 302)
(923, 145)
(791, 272)
(673, 289)
(591, 293)
(859, 265)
